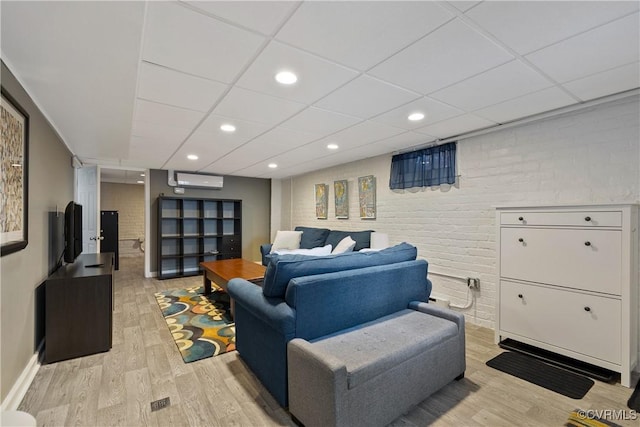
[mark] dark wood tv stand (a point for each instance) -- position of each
(79, 308)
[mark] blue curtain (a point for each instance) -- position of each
(424, 168)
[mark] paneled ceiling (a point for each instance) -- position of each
(145, 84)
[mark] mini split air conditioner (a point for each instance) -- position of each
(196, 180)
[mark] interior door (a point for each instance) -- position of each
(88, 195)
(109, 234)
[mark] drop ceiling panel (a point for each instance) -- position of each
(403, 141)
(362, 133)
(178, 89)
(365, 97)
(240, 158)
(279, 139)
(434, 111)
(499, 84)
(154, 112)
(316, 77)
(456, 126)
(88, 98)
(245, 130)
(463, 5)
(318, 121)
(450, 54)
(527, 105)
(204, 145)
(256, 107)
(148, 152)
(406, 51)
(600, 49)
(360, 34)
(607, 82)
(262, 16)
(550, 21)
(185, 40)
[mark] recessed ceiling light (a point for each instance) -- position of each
(140, 182)
(286, 77)
(273, 165)
(332, 146)
(192, 157)
(414, 117)
(228, 128)
(141, 174)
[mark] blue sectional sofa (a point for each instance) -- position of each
(310, 297)
(313, 237)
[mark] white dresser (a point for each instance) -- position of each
(568, 282)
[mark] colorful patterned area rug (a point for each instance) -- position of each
(201, 325)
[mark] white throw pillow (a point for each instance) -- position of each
(286, 240)
(346, 245)
(319, 251)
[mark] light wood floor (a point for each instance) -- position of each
(116, 388)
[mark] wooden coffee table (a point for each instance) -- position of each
(220, 272)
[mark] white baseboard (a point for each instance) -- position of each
(20, 387)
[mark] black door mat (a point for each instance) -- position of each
(587, 369)
(634, 400)
(542, 374)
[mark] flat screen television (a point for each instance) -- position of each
(72, 232)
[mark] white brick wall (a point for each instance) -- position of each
(128, 200)
(589, 156)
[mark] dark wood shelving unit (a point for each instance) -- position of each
(193, 230)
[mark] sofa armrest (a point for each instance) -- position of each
(444, 313)
(317, 385)
(265, 250)
(273, 311)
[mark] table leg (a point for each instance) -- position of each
(207, 284)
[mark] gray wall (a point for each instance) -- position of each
(255, 194)
(50, 186)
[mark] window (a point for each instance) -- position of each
(424, 168)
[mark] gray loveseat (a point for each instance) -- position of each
(312, 298)
(371, 374)
(313, 237)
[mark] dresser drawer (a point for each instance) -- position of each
(231, 244)
(574, 258)
(574, 321)
(567, 219)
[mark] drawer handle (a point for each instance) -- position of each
(520, 218)
(587, 243)
(587, 308)
(521, 240)
(520, 296)
(587, 218)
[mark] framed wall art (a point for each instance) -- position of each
(321, 201)
(341, 195)
(367, 196)
(14, 155)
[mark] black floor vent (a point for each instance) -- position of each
(159, 404)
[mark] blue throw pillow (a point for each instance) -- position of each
(312, 237)
(283, 268)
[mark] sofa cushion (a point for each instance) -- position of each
(319, 251)
(345, 245)
(286, 240)
(283, 268)
(313, 237)
(373, 348)
(362, 238)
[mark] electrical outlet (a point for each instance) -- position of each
(473, 283)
